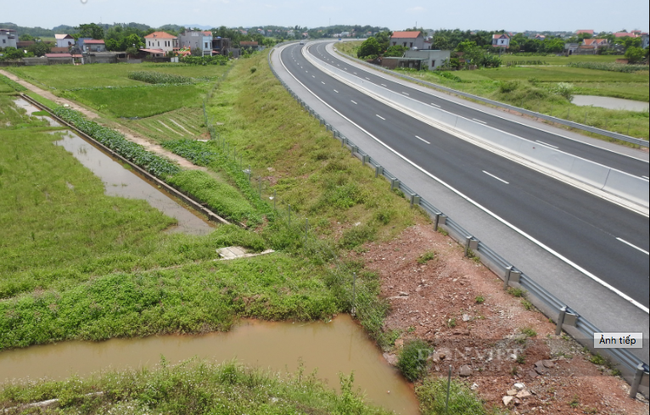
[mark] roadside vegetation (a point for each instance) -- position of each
(549, 89)
(192, 387)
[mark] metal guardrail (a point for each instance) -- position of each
(550, 305)
(572, 124)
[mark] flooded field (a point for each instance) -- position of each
(610, 103)
(332, 348)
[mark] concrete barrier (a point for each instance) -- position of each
(615, 182)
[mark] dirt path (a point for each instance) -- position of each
(511, 356)
(128, 134)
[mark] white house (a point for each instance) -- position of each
(501, 40)
(412, 39)
(161, 41)
(196, 39)
(8, 38)
(64, 40)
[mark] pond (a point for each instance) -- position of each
(609, 103)
(340, 346)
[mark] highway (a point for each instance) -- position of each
(618, 161)
(605, 239)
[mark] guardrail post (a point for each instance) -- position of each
(365, 159)
(354, 149)
(506, 280)
(560, 320)
(641, 370)
(415, 199)
(394, 183)
(468, 239)
(378, 170)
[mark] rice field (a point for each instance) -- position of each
(172, 125)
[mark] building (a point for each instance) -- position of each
(501, 40)
(8, 38)
(162, 42)
(591, 46)
(411, 40)
(221, 46)
(585, 32)
(196, 39)
(571, 48)
(644, 40)
(434, 58)
(64, 40)
(94, 45)
(249, 45)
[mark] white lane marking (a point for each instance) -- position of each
(345, 69)
(422, 139)
(322, 82)
(353, 102)
(384, 85)
(435, 105)
(336, 91)
(405, 93)
(495, 177)
(482, 122)
(483, 208)
(313, 76)
(646, 177)
(546, 144)
(367, 78)
(379, 116)
(633, 246)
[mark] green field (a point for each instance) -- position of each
(561, 60)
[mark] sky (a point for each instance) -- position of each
(560, 15)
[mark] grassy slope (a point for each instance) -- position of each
(193, 387)
(535, 87)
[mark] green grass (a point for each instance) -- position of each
(193, 387)
(462, 401)
(562, 60)
(62, 77)
(138, 102)
(554, 74)
(200, 297)
(165, 126)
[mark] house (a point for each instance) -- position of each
(644, 40)
(500, 40)
(585, 32)
(162, 42)
(196, 39)
(434, 58)
(625, 34)
(60, 50)
(93, 45)
(221, 46)
(591, 46)
(540, 37)
(411, 39)
(571, 48)
(8, 38)
(250, 45)
(64, 40)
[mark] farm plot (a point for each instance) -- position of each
(180, 123)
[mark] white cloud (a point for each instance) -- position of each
(417, 9)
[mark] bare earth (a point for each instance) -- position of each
(437, 302)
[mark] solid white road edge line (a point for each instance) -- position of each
(495, 177)
(479, 206)
(633, 246)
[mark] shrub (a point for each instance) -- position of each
(508, 86)
(426, 257)
(613, 67)
(462, 401)
(412, 360)
(564, 89)
(357, 235)
(151, 77)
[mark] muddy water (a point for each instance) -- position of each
(30, 109)
(610, 103)
(337, 347)
(121, 182)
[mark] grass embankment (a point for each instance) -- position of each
(536, 88)
(193, 387)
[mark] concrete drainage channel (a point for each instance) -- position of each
(633, 369)
(151, 178)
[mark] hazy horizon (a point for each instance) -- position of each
(552, 15)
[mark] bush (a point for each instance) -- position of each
(357, 235)
(412, 360)
(462, 401)
(612, 67)
(508, 86)
(151, 77)
(564, 89)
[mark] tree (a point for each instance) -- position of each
(13, 53)
(370, 47)
(90, 30)
(40, 48)
(26, 37)
(396, 51)
(634, 54)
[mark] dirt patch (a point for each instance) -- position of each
(460, 307)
